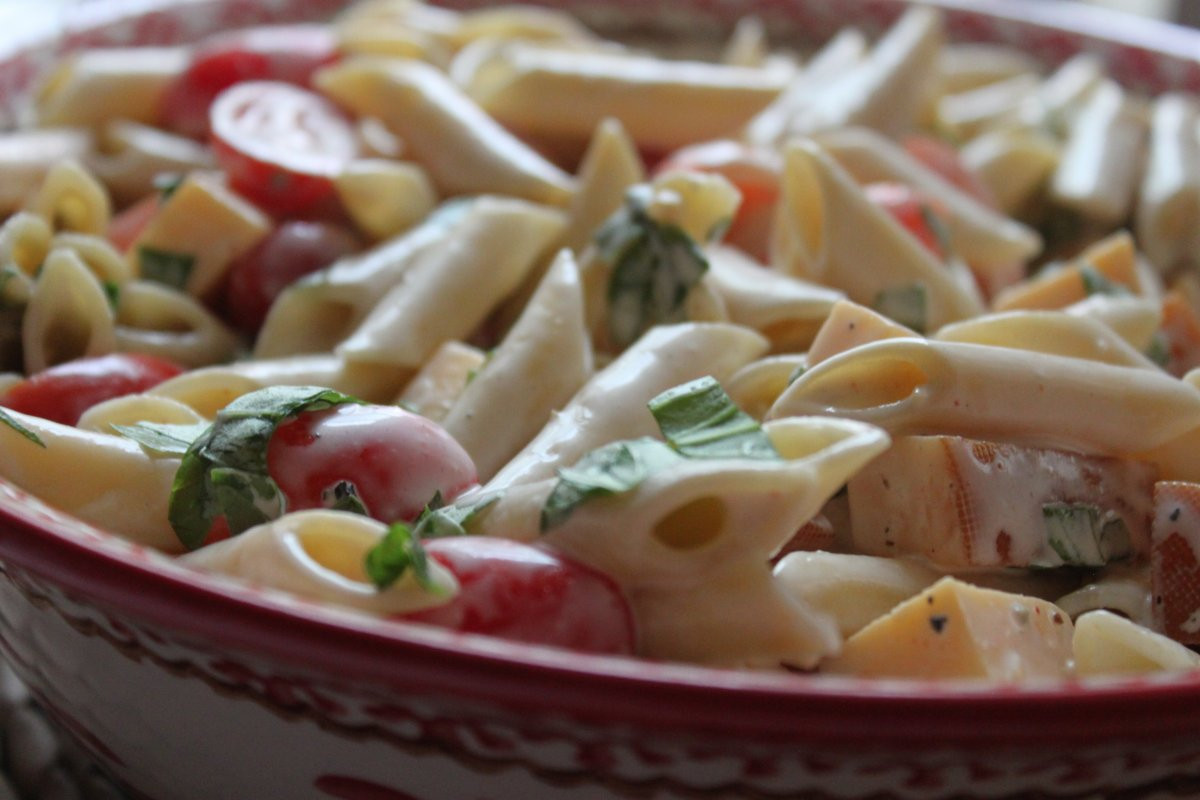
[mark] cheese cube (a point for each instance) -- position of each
(956, 630)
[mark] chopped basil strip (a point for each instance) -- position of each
(112, 291)
(5, 419)
(1159, 349)
(163, 439)
(654, 266)
(1084, 536)
(907, 304)
(224, 471)
(797, 373)
(937, 227)
(343, 496)
(398, 552)
(1095, 282)
(167, 183)
(439, 520)
(700, 421)
(164, 266)
(612, 469)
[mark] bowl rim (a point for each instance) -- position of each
(89, 566)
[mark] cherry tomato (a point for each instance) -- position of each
(288, 53)
(529, 593)
(754, 172)
(63, 392)
(912, 210)
(125, 227)
(396, 460)
(289, 252)
(280, 146)
(943, 159)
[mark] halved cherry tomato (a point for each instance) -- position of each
(288, 53)
(529, 593)
(280, 146)
(914, 211)
(288, 253)
(63, 392)
(125, 227)
(396, 460)
(943, 159)
(754, 172)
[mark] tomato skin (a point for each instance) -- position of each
(754, 172)
(289, 53)
(63, 392)
(396, 460)
(912, 210)
(529, 593)
(288, 253)
(125, 227)
(279, 145)
(943, 159)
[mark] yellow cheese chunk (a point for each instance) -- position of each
(1113, 259)
(956, 630)
(197, 233)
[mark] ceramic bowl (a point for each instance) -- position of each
(186, 687)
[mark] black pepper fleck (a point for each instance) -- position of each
(1175, 515)
(938, 622)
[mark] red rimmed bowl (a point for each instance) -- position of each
(186, 686)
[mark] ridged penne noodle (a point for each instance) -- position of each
(971, 65)
(747, 45)
(755, 387)
(71, 199)
(977, 233)
(852, 589)
(611, 164)
(772, 125)
(888, 89)
(103, 479)
(1101, 164)
(156, 319)
(464, 150)
(69, 315)
(94, 86)
(385, 198)
(319, 555)
(787, 310)
(1063, 94)
(1014, 164)
(530, 23)
(910, 386)
(27, 156)
(198, 232)
(534, 371)
(829, 232)
(968, 113)
(131, 409)
(132, 156)
(1051, 332)
(1108, 644)
(435, 388)
(491, 256)
(612, 405)
(558, 93)
(1168, 207)
(1134, 319)
(315, 314)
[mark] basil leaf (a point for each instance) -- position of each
(344, 497)
(1095, 282)
(163, 266)
(167, 183)
(907, 304)
(398, 552)
(612, 469)
(6, 419)
(1159, 349)
(224, 470)
(701, 421)
(438, 520)
(112, 291)
(937, 226)
(655, 265)
(1085, 536)
(163, 439)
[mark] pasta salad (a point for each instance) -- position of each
(874, 360)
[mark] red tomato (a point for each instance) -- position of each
(124, 228)
(288, 53)
(280, 146)
(529, 593)
(396, 460)
(63, 392)
(754, 172)
(290, 252)
(943, 159)
(912, 210)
